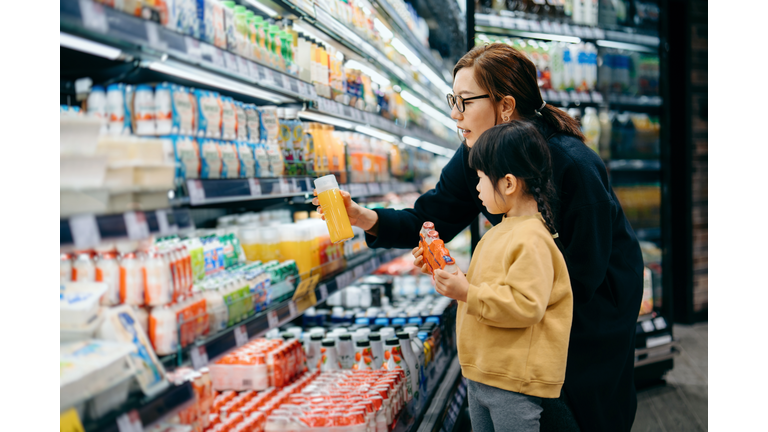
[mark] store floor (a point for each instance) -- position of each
(681, 403)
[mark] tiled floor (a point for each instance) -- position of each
(681, 404)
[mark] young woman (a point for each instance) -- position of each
(497, 84)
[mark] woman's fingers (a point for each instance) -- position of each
(425, 269)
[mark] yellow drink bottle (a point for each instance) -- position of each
(332, 204)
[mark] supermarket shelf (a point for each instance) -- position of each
(438, 372)
(653, 340)
(278, 314)
(555, 31)
(596, 98)
(86, 231)
(634, 165)
(444, 398)
(150, 410)
(213, 192)
(182, 57)
(644, 357)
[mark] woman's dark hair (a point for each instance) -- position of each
(518, 148)
(503, 71)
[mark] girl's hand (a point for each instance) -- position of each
(418, 253)
(453, 286)
(358, 215)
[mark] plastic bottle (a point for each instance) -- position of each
(332, 203)
(116, 109)
(591, 127)
(395, 360)
(97, 106)
(163, 109)
(65, 269)
(131, 280)
(605, 135)
(83, 268)
(108, 271)
(158, 287)
(329, 359)
(363, 356)
(144, 110)
(411, 362)
(346, 351)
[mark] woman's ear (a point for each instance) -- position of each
(509, 184)
(508, 109)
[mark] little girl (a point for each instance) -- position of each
(515, 303)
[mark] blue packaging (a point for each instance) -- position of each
(208, 114)
(186, 153)
(415, 320)
(182, 111)
(398, 321)
(433, 319)
(382, 321)
(210, 159)
(247, 158)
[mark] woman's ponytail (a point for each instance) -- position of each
(561, 121)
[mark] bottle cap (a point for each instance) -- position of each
(316, 337)
(403, 335)
(364, 343)
(326, 183)
(392, 342)
(375, 336)
(345, 337)
(329, 342)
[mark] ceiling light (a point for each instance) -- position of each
(411, 141)
(87, 46)
(270, 12)
(402, 49)
(376, 133)
(384, 31)
(624, 46)
(325, 119)
(434, 79)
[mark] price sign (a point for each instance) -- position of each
(255, 187)
(130, 422)
(136, 225)
(597, 97)
(242, 66)
(85, 231)
(494, 21)
(268, 76)
(546, 27)
(253, 70)
(230, 62)
(241, 335)
(294, 186)
(285, 187)
(323, 292)
(294, 85)
(577, 31)
(588, 33)
(286, 81)
(272, 319)
(359, 272)
(308, 182)
(153, 37)
(660, 323)
(196, 192)
(199, 357)
(344, 280)
(162, 222)
(293, 309)
(69, 421)
(193, 49)
(217, 56)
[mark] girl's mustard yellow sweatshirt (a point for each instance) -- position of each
(513, 331)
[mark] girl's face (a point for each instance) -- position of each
(492, 201)
(478, 115)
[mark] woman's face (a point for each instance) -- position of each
(478, 115)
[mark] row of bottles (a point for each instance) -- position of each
(619, 135)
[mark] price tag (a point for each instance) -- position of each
(587, 32)
(193, 49)
(294, 85)
(199, 357)
(557, 28)
(272, 319)
(597, 97)
(552, 95)
(130, 422)
(69, 421)
(85, 231)
(343, 280)
(153, 37)
(546, 27)
(660, 323)
(217, 56)
(241, 335)
(286, 81)
(359, 272)
(136, 225)
(647, 326)
(308, 182)
(255, 187)
(162, 222)
(522, 24)
(347, 111)
(323, 292)
(94, 17)
(577, 31)
(196, 192)
(242, 66)
(374, 189)
(253, 70)
(285, 186)
(598, 33)
(566, 29)
(294, 186)
(293, 309)
(268, 76)
(535, 26)
(230, 61)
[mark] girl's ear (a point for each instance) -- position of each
(509, 184)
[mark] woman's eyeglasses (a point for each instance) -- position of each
(459, 101)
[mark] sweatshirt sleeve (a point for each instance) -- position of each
(450, 206)
(520, 297)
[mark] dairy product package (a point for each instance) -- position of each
(263, 167)
(247, 159)
(187, 157)
(210, 13)
(185, 17)
(276, 163)
(182, 111)
(228, 119)
(115, 109)
(253, 119)
(242, 121)
(144, 110)
(269, 123)
(210, 159)
(208, 114)
(230, 164)
(163, 109)
(121, 325)
(79, 303)
(229, 26)
(129, 92)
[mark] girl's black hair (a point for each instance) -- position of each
(518, 148)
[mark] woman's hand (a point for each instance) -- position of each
(454, 286)
(358, 215)
(418, 253)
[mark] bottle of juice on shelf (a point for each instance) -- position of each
(411, 362)
(132, 279)
(83, 269)
(363, 356)
(158, 285)
(329, 361)
(65, 269)
(591, 126)
(332, 203)
(108, 271)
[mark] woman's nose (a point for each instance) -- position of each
(455, 114)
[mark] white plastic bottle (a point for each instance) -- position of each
(377, 349)
(132, 279)
(163, 109)
(590, 124)
(83, 269)
(108, 271)
(411, 362)
(314, 354)
(363, 357)
(144, 110)
(329, 360)
(116, 109)
(157, 287)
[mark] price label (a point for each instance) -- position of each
(230, 61)
(557, 28)
(359, 272)
(193, 49)
(374, 189)
(217, 56)
(196, 192)
(242, 66)
(241, 335)
(136, 225)
(199, 357)
(588, 33)
(660, 323)
(286, 81)
(285, 187)
(546, 27)
(597, 97)
(268, 76)
(308, 182)
(293, 309)
(94, 17)
(85, 231)
(344, 280)
(323, 292)
(494, 21)
(162, 222)
(272, 319)
(153, 37)
(253, 70)
(647, 326)
(69, 421)
(294, 186)
(535, 26)
(577, 31)
(130, 422)
(255, 187)
(294, 85)
(566, 29)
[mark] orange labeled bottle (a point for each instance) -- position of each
(332, 204)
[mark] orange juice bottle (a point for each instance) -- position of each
(332, 203)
